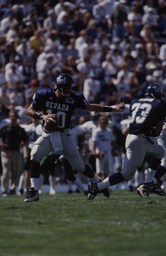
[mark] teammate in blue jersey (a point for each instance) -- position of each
(61, 101)
(147, 119)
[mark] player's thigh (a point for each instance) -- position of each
(41, 148)
(135, 154)
(71, 152)
(154, 150)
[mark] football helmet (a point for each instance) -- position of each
(155, 91)
(63, 82)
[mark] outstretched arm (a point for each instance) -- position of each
(100, 108)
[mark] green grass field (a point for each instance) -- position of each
(70, 225)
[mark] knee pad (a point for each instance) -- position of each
(154, 163)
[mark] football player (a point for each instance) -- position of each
(147, 119)
(154, 179)
(60, 102)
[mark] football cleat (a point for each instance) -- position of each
(4, 194)
(92, 190)
(32, 195)
(106, 192)
(156, 189)
(143, 191)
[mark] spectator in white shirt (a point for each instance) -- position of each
(102, 139)
(84, 67)
(24, 49)
(116, 56)
(12, 33)
(83, 49)
(91, 88)
(16, 98)
(122, 86)
(162, 52)
(7, 22)
(150, 19)
(50, 20)
(110, 68)
(10, 63)
(134, 21)
(58, 7)
(98, 10)
(26, 71)
(81, 39)
(12, 75)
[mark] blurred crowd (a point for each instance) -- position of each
(113, 49)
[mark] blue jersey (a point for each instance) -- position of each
(145, 114)
(45, 100)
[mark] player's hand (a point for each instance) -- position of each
(46, 117)
(51, 116)
(119, 107)
(3, 145)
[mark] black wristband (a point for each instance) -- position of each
(107, 109)
(37, 115)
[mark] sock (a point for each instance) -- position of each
(160, 172)
(79, 184)
(52, 182)
(150, 175)
(35, 183)
(103, 184)
(111, 180)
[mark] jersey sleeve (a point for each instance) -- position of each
(38, 100)
(81, 102)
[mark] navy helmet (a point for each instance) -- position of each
(63, 82)
(154, 91)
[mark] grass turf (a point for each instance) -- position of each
(70, 225)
